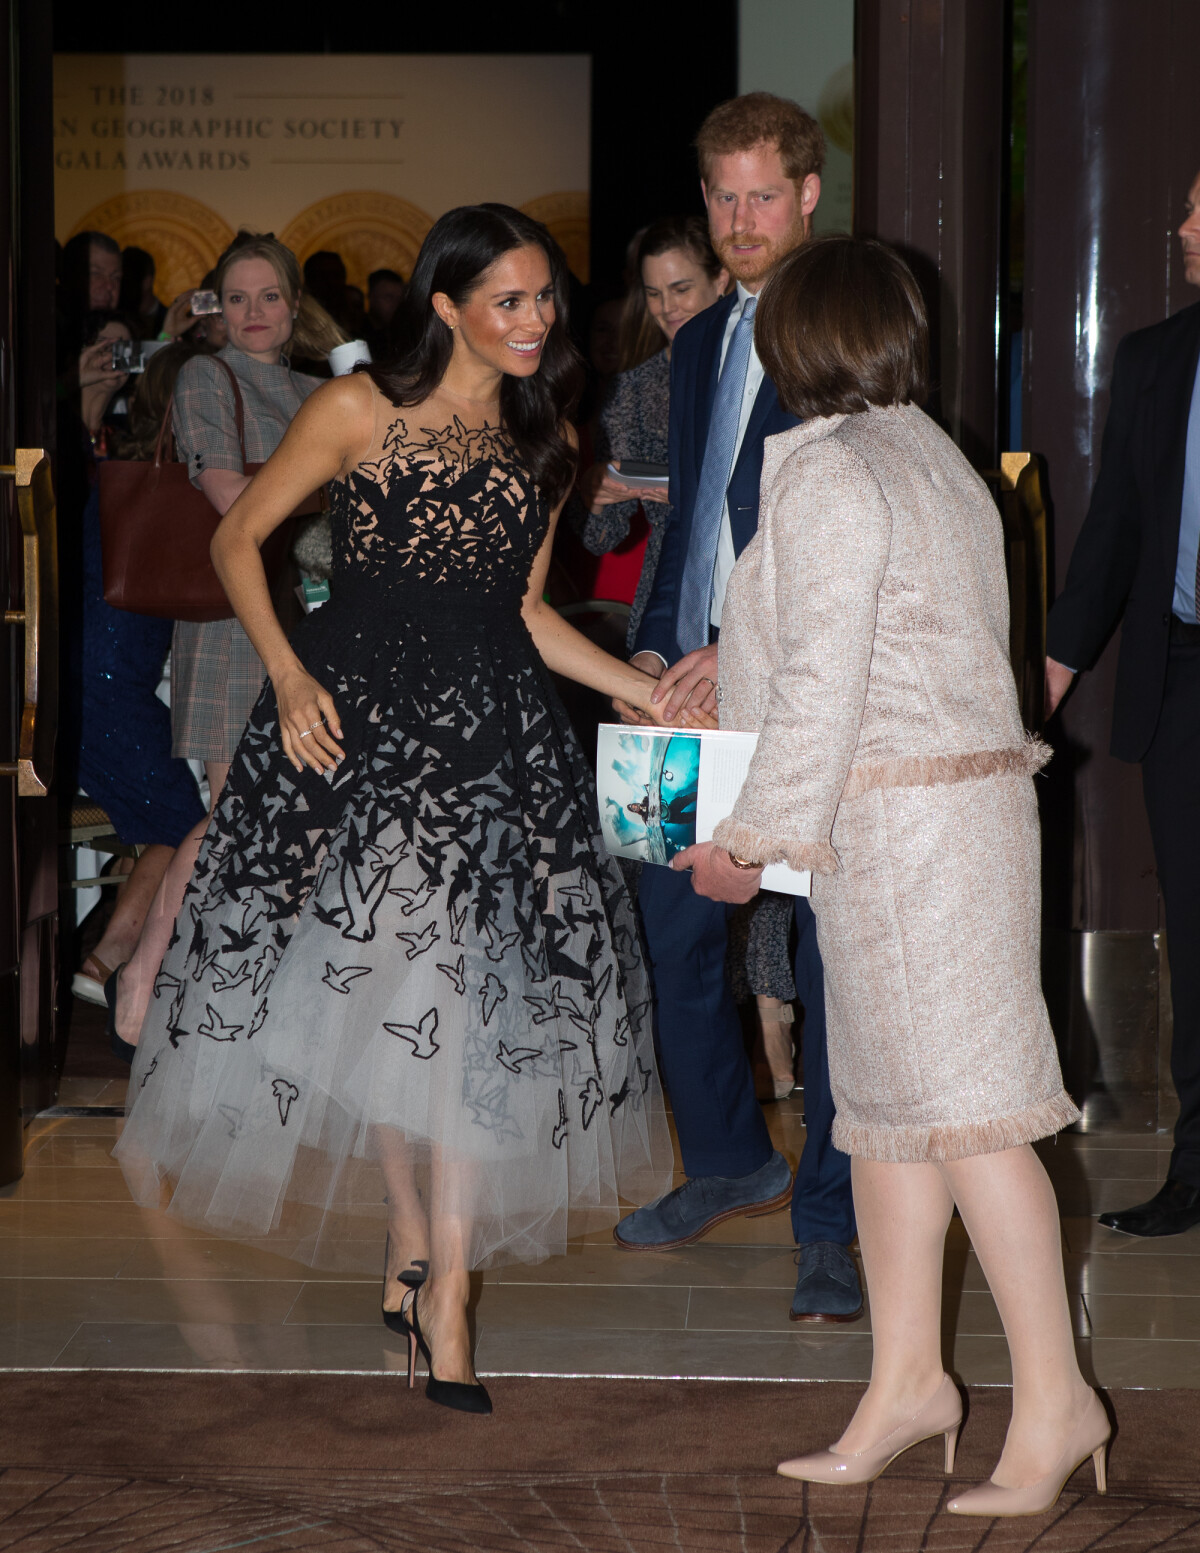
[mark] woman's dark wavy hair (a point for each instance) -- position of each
(460, 247)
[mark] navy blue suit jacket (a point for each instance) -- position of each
(695, 367)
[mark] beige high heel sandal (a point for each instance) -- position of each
(1089, 1437)
(942, 1414)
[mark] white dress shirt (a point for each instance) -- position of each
(726, 555)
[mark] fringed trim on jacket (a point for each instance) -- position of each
(745, 841)
(920, 1145)
(932, 770)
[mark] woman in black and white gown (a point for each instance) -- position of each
(404, 951)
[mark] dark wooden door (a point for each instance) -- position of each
(29, 1037)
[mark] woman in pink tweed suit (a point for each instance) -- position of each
(866, 637)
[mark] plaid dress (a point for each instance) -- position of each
(216, 675)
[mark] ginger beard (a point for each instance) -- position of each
(756, 266)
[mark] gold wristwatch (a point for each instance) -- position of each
(742, 862)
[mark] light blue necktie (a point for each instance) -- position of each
(695, 592)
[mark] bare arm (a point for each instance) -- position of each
(223, 487)
(331, 431)
(567, 651)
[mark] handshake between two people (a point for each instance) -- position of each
(687, 697)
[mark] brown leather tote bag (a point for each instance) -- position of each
(156, 529)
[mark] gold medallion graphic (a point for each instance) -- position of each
(371, 231)
(567, 216)
(184, 236)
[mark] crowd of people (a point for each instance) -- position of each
(391, 944)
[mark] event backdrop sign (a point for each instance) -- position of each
(355, 152)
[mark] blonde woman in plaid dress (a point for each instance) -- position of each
(216, 675)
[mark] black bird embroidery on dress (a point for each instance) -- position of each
(149, 1071)
(240, 940)
(419, 1036)
(265, 968)
(285, 1092)
(544, 1008)
(535, 960)
(492, 992)
(225, 981)
(260, 1019)
(339, 981)
(414, 899)
(174, 1027)
(388, 857)
(362, 891)
(592, 1097)
(198, 949)
(581, 1021)
(328, 916)
(457, 923)
(233, 1116)
(498, 944)
(621, 1031)
(637, 1015)
(164, 982)
(419, 943)
(615, 1102)
(215, 1027)
(456, 974)
(560, 1127)
(513, 1059)
(600, 991)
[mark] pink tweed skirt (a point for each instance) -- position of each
(939, 1042)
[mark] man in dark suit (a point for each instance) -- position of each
(1136, 559)
(760, 164)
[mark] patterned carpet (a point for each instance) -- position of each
(105, 1463)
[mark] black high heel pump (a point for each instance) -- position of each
(449, 1393)
(121, 1049)
(412, 1278)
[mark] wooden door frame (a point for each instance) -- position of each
(30, 1047)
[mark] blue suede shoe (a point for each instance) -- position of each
(691, 1210)
(827, 1286)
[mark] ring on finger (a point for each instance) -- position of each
(307, 734)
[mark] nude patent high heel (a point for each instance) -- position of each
(942, 1414)
(1089, 1437)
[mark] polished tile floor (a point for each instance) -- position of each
(88, 1279)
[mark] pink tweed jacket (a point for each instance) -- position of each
(865, 630)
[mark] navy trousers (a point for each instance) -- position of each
(719, 1121)
(1169, 781)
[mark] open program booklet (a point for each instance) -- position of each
(661, 790)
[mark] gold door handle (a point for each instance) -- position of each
(34, 765)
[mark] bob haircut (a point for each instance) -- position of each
(461, 247)
(841, 326)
